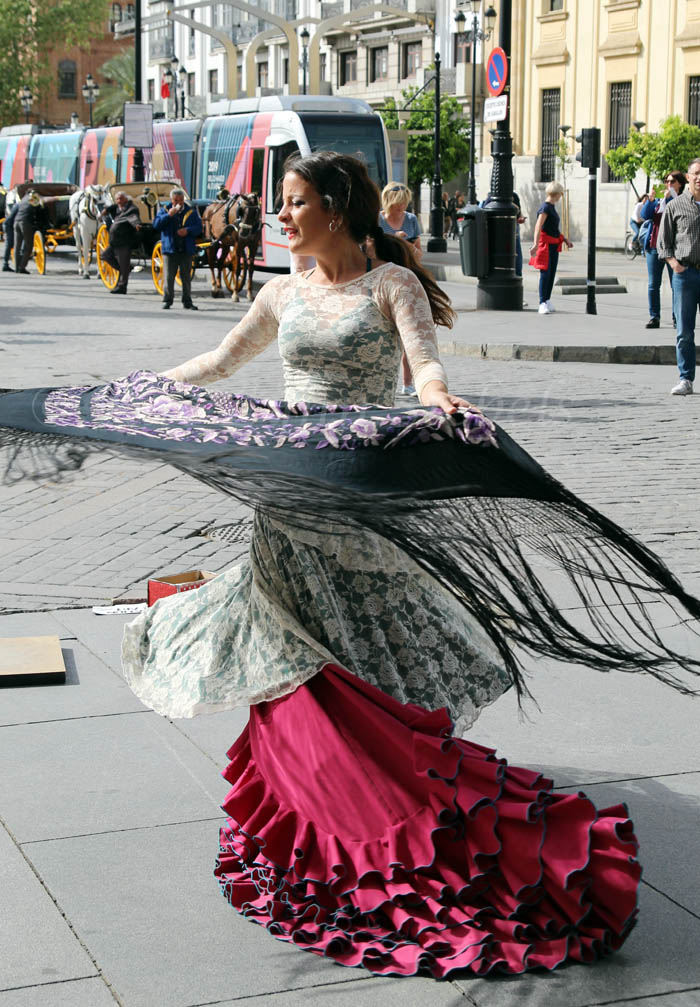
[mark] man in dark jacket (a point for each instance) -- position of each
(31, 216)
(123, 235)
(179, 224)
(9, 228)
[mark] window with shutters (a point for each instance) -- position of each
(551, 106)
(694, 101)
(620, 114)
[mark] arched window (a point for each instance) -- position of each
(115, 16)
(66, 78)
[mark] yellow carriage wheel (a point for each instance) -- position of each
(39, 252)
(158, 267)
(108, 274)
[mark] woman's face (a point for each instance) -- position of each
(397, 208)
(303, 216)
(672, 185)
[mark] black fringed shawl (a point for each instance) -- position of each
(456, 493)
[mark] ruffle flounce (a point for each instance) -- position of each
(361, 830)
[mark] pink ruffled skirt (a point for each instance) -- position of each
(360, 829)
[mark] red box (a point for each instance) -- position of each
(161, 587)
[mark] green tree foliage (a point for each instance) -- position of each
(454, 136)
(29, 31)
(119, 75)
(671, 149)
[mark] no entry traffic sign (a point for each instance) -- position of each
(496, 71)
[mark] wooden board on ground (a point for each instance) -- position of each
(31, 660)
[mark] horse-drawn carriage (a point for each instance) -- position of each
(55, 198)
(226, 245)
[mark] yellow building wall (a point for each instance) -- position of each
(583, 49)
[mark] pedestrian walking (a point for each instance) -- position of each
(179, 224)
(636, 220)
(385, 585)
(9, 229)
(123, 236)
(679, 245)
(31, 217)
(651, 214)
(456, 203)
(546, 245)
(395, 219)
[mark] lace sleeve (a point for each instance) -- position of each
(401, 297)
(256, 330)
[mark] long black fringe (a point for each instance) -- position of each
(493, 554)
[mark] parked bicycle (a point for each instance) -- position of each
(633, 246)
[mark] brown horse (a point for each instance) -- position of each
(249, 224)
(219, 225)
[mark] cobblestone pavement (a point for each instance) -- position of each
(610, 433)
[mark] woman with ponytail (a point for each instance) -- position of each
(392, 577)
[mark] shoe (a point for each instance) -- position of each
(524, 304)
(408, 390)
(25, 271)
(118, 290)
(166, 305)
(7, 268)
(190, 307)
(653, 323)
(551, 307)
(684, 387)
(543, 309)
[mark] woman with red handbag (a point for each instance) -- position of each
(546, 245)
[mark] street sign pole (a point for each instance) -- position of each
(500, 289)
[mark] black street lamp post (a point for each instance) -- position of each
(182, 73)
(137, 171)
(27, 99)
(500, 289)
(91, 92)
(436, 242)
(476, 34)
(305, 36)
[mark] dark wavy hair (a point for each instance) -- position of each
(345, 187)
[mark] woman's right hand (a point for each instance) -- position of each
(676, 266)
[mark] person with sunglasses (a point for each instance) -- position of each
(653, 211)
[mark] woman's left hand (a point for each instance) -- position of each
(448, 403)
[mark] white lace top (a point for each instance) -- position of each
(338, 343)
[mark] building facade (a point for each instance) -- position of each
(64, 105)
(575, 63)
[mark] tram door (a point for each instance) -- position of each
(276, 244)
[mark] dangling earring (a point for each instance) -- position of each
(332, 226)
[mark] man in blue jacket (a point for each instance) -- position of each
(179, 224)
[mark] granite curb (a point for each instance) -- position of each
(549, 353)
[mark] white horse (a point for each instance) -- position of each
(85, 206)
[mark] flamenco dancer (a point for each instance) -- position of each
(390, 592)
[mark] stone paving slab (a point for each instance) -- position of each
(691, 998)
(660, 956)
(100, 634)
(587, 727)
(372, 992)
(90, 690)
(36, 944)
(77, 993)
(215, 733)
(98, 774)
(160, 930)
(666, 815)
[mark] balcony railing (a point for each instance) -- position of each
(331, 9)
(161, 43)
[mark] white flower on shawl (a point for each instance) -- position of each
(366, 430)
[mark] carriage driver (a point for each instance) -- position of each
(31, 216)
(123, 235)
(179, 224)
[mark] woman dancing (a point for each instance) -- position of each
(361, 826)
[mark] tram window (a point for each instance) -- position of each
(279, 156)
(257, 177)
(360, 136)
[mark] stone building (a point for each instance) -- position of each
(71, 67)
(576, 63)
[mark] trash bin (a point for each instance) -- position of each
(473, 242)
